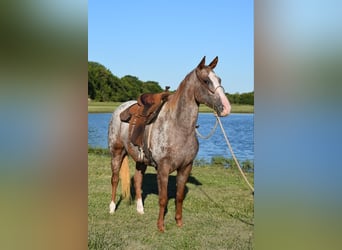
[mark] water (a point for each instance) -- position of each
(239, 129)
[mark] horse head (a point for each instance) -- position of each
(209, 90)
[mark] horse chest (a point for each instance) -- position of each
(176, 147)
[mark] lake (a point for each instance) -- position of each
(239, 129)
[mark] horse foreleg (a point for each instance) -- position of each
(115, 165)
(182, 177)
(163, 178)
(138, 177)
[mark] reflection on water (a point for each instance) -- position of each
(239, 129)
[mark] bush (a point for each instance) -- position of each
(247, 166)
(219, 161)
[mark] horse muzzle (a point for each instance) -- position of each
(224, 108)
(225, 111)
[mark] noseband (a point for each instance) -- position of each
(213, 92)
(207, 87)
(212, 105)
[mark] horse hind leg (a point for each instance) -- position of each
(138, 178)
(120, 167)
(115, 165)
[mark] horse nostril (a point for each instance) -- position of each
(218, 108)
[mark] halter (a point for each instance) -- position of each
(220, 86)
(207, 87)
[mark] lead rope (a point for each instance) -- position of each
(231, 151)
(218, 121)
(210, 134)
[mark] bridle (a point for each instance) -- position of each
(213, 92)
(206, 85)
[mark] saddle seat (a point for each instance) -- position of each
(143, 113)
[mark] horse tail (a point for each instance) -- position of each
(125, 179)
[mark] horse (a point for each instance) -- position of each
(170, 142)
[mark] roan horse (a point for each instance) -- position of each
(170, 140)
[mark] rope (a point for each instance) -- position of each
(231, 151)
(210, 134)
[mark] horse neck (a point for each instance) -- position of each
(183, 103)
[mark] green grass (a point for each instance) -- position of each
(102, 107)
(236, 108)
(109, 107)
(218, 211)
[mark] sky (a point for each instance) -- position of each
(164, 40)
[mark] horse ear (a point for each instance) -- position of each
(202, 63)
(212, 65)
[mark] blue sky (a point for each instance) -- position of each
(164, 40)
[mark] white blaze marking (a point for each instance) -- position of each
(112, 207)
(140, 206)
(214, 79)
(224, 100)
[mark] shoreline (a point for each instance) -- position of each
(109, 107)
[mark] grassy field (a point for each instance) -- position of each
(218, 211)
(108, 107)
(102, 107)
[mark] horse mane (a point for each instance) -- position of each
(173, 99)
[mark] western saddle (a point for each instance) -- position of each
(143, 113)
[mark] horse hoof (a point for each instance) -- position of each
(140, 206)
(112, 207)
(140, 211)
(161, 228)
(179, 223)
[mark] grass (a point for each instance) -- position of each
(102, 107)
(236, 108)
(109, 107)
(218, 211)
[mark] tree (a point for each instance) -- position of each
(244, 98)
(151, 87)
(104, 86)
(132, 85)
(98, 82)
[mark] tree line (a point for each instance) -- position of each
(103, 86)
(244, 98)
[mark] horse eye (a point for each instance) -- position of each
(206, 81)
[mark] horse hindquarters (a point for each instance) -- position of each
(117, 132)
